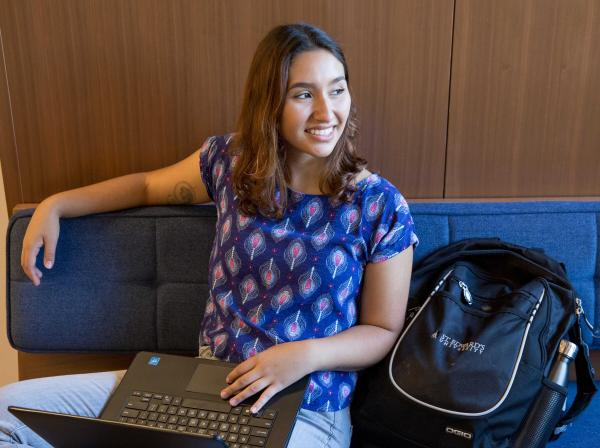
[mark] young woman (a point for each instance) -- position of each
(305, 235)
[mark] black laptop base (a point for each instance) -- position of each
(69, 431)
(174, 396)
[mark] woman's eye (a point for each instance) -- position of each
(339, 91)
(302, 95)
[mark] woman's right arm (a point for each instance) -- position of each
(179, 183)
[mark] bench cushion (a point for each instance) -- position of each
(137, 279)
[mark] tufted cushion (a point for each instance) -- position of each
(137, 279)
(122, 282)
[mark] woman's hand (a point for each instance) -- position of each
(43, 230)
(270, 371)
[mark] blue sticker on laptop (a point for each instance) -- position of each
(154, 360)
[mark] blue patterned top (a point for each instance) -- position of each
(274, 281)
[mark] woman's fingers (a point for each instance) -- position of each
(252, 389)
(273, 369)
(264, 398)
(49, 251)
(240, 383)
(28, 257)
(239, 370)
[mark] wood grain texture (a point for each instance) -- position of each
(8, 149)
(104, 88)
(37, 365)
(525, 103)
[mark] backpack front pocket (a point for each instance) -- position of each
(458, 358)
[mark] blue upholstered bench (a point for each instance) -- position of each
(137, 279)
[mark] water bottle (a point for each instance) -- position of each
(550, 403)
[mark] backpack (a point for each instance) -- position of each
(484, 322)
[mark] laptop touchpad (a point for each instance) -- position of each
(208, 379)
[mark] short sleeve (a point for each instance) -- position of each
(393, 231)
(208, 156)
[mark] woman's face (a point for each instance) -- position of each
(317, 104)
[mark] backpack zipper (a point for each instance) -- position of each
(413, 312)
(466, 293)
(580, 312)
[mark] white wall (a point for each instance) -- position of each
(8, 356)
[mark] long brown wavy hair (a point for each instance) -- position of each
(260, 175)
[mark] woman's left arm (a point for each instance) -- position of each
(382, 309)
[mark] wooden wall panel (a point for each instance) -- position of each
(105, 88)
(525, 102)
(399, 53)
(8, 150)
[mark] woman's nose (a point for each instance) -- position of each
(323, 109)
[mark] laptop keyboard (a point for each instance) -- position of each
(237, 426)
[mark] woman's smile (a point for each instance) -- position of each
(321, 134)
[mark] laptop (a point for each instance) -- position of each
(168, 400)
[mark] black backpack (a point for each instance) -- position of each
(484, 321)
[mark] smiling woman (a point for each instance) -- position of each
(298, 125)
(310, 268)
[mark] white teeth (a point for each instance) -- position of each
(322, 132)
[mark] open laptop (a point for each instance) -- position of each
(167, 400)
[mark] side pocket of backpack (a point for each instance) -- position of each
(505, 421)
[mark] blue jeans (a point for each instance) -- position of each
(86, 395)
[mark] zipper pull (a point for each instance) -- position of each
(466, 292)
(580, 312)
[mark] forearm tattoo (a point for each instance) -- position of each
(183, 193)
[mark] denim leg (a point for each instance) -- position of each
(83, 395)
(321, 429)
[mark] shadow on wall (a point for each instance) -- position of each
(8, 356)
